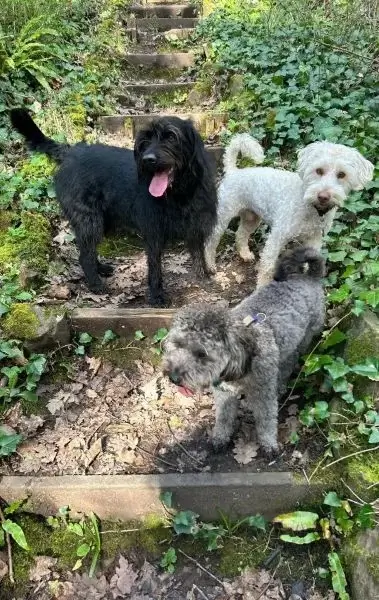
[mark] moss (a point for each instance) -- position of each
(114, 246)
(28, 242)
(148, 536)
(363, 471)
(37, 166)
(21, 322)
(239, 553)
(123, 352)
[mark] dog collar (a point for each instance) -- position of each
(254, 318)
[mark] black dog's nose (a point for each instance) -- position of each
(149, 159)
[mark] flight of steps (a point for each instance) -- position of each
(151, 71)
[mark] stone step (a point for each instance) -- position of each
(165, 11)
(175, 60)
(148, 89)
(206, 123)
(151, 36)
(147, 2)
(160, 24)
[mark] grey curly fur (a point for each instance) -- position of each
(207, 344)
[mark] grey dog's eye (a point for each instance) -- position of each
(200, 354)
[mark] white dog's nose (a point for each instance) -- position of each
(324, 197)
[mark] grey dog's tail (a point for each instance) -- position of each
(301, 261)
(35, 139)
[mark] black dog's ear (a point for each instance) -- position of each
(138, 142)
(196, 144)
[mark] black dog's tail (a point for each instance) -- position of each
(301, 261)
(35, 139)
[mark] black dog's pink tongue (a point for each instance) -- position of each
(159, 184)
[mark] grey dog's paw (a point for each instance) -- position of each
(220, 444)
(270, 453)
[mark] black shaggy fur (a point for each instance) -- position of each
(104, 189)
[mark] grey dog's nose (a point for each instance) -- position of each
(150, 158)
(175, 377)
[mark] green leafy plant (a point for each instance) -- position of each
(82, 344)
(339, 521)
(20, 374)
(87, 530)
(33, 51)
(158, 338)
(109, 336)
(168, 560)
(186, 522)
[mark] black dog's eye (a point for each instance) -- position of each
(200, 354)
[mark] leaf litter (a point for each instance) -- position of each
(126, 580)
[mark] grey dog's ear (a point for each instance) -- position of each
(243, 345)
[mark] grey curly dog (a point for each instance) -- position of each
(250, 350)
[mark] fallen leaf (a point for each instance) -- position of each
(244, 452)
(91, 393)
(94, 364)
(94, 451)
(61, 292)
(124, 579)
(42, 568)
(3, 569)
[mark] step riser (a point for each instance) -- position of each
(156, 24)
(146, 37)
(130, 125)
(129, 497)
(152, 89)
(164, 12)
(179, 60)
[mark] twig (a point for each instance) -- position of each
(354, 494)
(201, 567)
(350, 456)
(268, 541)
(130, 530)
(270, 582)
(317, 468)
(195, 587)
(166, 462)
(193, 458)
(346, 50)
(9, 548)
(306, 476)
(309, 355)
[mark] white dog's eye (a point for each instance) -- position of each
(341, 175)
(320, 171)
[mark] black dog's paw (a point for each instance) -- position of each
(160, 301)
(98, 288)
(105, 269)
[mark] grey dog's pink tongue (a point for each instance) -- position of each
(159, 184)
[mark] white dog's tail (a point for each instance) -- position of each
(301, 261)
(243, 144)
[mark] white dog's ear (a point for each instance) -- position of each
(304, 157)
(364, 171)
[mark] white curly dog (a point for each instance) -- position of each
(298, 207)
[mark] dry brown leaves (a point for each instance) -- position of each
(244, 452)
(253, 584)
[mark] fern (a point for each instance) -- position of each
(32, 52)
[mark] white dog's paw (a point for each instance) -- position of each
(247, 255)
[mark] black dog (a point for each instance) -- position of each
(166, 191)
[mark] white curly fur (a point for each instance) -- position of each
(298, 207)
